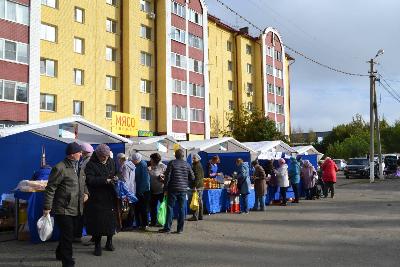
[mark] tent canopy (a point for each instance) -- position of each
(164, 145)
(63, 130)
(217, 145)
(306, 150)
(22, 146)
(270, 149)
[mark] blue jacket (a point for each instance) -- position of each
(294, 171)
(243, 178)
(123, 192)
(142, 178)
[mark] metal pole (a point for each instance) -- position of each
(377, 125)
(371, 122)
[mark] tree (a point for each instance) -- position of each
(252, 126)
(297, 136)
(311, 137)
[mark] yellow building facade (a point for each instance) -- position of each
(103, 56)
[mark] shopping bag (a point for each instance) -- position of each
(194, 204)
(45, 227)
(162, 212)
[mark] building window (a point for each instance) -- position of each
(48, 33)
(249, 68)
(230, 105)
(10, 50)
(13, 91)
(178, 9)
(230, 85)
(178, 35)
(249, 88)
(196, 90)
(179, 87)
(78, 76)
(111, 2)
(50, 3)
(13, 51)
(278, 55)
(195, 65)
(248, 49)
(48, 67)
(111, 82)
(230, 65)
(145, 86)
(79, 45)
(197, 115)
(14, 12)
(111, 54)
(146, 113)
(145, 59)
(145, 6)
(47, 102)
(280, 109)
(229, 46)
(179, 113)
(195, 17)
(250, 106)
(278, 73)
(271, 107)
(280, 126)
(111, 26)
(79, 15)
(178, 60)
(145, 32)
(270, 51)
(195, 41)
(270, 70)
(77, 108)
(270, 88)
(109, 110)
(279, 91)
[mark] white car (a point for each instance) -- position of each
(340, 163)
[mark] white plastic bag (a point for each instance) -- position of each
(45, 227)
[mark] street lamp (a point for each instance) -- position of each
(372, 79)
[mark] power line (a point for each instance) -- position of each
(387, 90)
(290, 48)
(395, 91)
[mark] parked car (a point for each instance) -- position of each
(390, 161)
(340, 163)
(359, 167)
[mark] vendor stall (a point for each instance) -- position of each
(309, 153)
(271, 150)
(164, 145)
(24, 147)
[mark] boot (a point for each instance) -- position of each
(97, 247)
(109, 245)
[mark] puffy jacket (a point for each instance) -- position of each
(294, 171)
(282, 176)
(177, 176)
(142, 178)
(243, 178)
(329, 170)
(198, 176)
(64, 190)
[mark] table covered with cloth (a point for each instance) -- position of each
(217, 200)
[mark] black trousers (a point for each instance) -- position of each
(331, 186)
(78, 227)
(142, 209)
(154, 200)
(64, 249)
(283, 194)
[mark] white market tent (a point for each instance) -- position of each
(85, 131)
(164, 145)
(271, 149)
(216, 145)
(307, 150)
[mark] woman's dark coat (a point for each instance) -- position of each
(100, 211)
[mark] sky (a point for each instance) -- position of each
(343, 34)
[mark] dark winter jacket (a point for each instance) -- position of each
(64, 190)
(177, 176)
(260, 183)
(198, 176)
(142, 178)
(100, 210)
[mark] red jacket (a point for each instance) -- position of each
(329, 170)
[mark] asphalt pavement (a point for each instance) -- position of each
(359, 227)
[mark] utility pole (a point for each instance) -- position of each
(377, 125)
(371, 122)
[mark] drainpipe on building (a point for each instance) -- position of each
(237, 72)
(155, 71)
(121, 94)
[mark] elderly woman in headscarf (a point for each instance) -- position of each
(101, 206)
(283, 179)
(307, 175)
